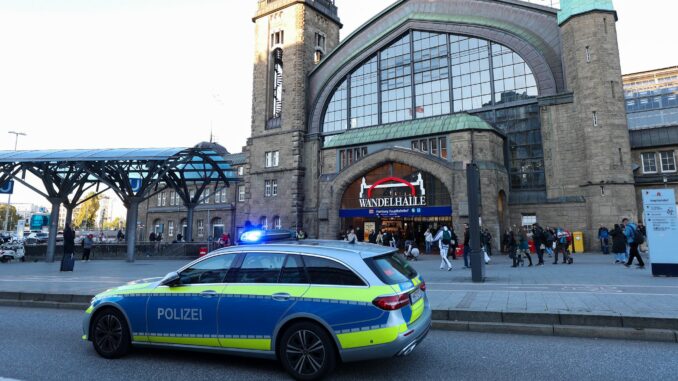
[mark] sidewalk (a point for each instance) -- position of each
(599, 297)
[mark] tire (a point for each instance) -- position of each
(110, 334)
(307, 351)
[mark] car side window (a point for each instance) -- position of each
(260, 268)
(212, 270)
(325, 271)
(293, 272)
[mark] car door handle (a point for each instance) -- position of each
(208, 294)
(281, 297)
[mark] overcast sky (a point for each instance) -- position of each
(164, 73)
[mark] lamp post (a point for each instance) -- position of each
(9, 197)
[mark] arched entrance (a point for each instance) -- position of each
(397, 198)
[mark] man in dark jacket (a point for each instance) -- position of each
(618, 244)
(467, 248)
(539, 240)
(69, 240)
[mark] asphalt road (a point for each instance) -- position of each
(37, 344)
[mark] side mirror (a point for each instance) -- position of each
(171, 279)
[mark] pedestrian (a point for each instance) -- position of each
(301, 234)
(539, 239)
(372, 237)
(512, 247)
(487, 241)
(159, 237)
(454, 243)
(444, 245)
(550, 239)
(524, 245)
(505, 241)
(618, 244)
(360, 236)
(467, 249)
(604, 238)
(179, 237)
(120, 235)
(380, 238)
(562, 243)
(152, 237)
(87, 244)
(351, 237)
(428, 240)
(69, 240)
(633, 238)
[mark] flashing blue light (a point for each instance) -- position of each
(252, 236)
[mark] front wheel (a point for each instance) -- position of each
(110, 334)
(307, 352)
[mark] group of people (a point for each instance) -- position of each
(550, 241)
(626, 239)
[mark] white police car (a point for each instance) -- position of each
(308, 304)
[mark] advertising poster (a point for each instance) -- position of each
(661, 222)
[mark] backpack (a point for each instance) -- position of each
(447, 238)
(638, 236)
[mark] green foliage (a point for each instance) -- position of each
(13, 217)
(86, 216)
(116, 224)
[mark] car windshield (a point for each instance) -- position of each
(391, 268)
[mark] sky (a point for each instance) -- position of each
(172, 73)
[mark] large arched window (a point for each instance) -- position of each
(277, 82)
(424, 74)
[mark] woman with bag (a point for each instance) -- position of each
(618, 244)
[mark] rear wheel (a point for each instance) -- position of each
(307, 352)
(110, 334)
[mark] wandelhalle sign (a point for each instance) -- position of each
(661, 221)
(399, 198)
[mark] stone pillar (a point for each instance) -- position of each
(131, 228)
(69, 214)
(53, 227)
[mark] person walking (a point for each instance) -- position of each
(634, 239)
(618, 244)
(69, 240)
(549, 238)
(428, 240)
(467, 249)
(524, 245)
(505, 241)
(512, 247)
(604, 238)
(380, 238)
(454, 243)
(87, 243)
(539, 239)
(372, 238)
(444, 244)
(351, 237)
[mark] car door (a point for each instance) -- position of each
(260, 292)
(186, 313)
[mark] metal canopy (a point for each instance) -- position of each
(133, 174)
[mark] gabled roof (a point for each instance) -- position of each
(408, 129)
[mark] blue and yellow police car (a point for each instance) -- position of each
(308, 304)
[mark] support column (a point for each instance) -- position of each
(189, 222)
(475, 254)
(131, 228)
(53, 227)
(69, 214)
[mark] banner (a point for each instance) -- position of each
(425, 211)
(661, 222)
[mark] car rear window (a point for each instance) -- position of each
(391, 268)
(328, 272)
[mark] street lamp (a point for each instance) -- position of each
(9, 197)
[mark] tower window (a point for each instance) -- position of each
(277, 38)
(319, 41)
(277, 82)
(595, 119)
(588, 54)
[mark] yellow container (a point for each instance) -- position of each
(578, 242)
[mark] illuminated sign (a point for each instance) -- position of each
(409, 198)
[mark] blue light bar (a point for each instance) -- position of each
(252, 236)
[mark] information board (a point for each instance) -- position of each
(661, 222)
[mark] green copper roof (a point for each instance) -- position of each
(408, 129)
(570, 8)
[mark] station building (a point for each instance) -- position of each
(375, 130)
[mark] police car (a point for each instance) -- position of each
(308, 304)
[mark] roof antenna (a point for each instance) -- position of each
(211, 135)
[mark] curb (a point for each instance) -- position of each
(656, 335)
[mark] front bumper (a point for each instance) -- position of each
(85, 323)
(402, 346)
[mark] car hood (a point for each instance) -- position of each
(136, 285)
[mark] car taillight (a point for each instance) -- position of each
(423, 286)
(393, 302)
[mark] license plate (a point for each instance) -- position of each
(416, 295)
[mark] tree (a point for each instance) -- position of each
(13, 217)
(86, 216)
(116, 224)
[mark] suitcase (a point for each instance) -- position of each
(67, 262)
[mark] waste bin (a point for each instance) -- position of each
(577, 242)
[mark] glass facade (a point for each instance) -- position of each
(652, 108)
(396, 81)
(424, 74)
(364, 95)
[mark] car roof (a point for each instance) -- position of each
(332, 249)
